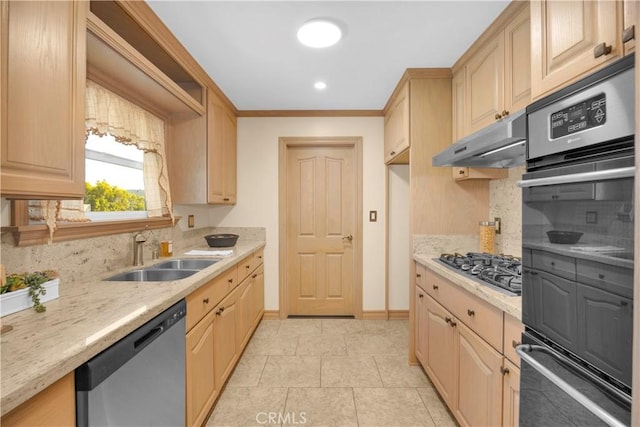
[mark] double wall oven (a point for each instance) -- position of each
(577, 247)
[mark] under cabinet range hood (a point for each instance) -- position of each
(499, 145)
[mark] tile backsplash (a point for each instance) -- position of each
(80, 259)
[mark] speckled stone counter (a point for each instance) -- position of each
(87, 318)
(509, 304)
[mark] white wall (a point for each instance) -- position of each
(399, 239)
(258, 191)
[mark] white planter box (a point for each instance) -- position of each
(12, 302)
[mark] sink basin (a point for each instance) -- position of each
(186, 264)
(152, 275)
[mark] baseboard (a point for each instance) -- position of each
(374, 315)
(398, 314)
(271, 315)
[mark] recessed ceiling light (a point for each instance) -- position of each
(320, 85)
(319, 33)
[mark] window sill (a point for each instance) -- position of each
(29, 235)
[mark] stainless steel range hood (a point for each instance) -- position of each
(500, 145)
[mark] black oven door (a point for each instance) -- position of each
(578, 239)
(557, 391)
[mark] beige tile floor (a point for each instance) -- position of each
(329, 372)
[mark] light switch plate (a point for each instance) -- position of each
(191, 221)
(373, 216)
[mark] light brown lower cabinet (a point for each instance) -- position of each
(53, 406)
(510, 395)
(218, 335)
(470, 371)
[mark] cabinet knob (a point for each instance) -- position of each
(601, 49)
(435, 287)
(247, 266)
(219, 312)
(471, 313)
(505, 113)
(624, 303)
(230, 281)
(418, 275)
(461, 172)
(447, 319)
(504, 371)
(498, 116)
(393, 153)
(600, 276)
(205, 301)
(254, 276)
(421, 296)
(453, 324)
(629, 34)
(515, 343)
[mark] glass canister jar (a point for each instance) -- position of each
(486, 238)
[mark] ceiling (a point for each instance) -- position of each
(250, 48)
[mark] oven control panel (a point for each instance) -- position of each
(579, 117)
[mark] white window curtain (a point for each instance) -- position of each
(109, 113)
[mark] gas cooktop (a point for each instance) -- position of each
(501, 272)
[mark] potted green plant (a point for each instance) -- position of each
(33, 284)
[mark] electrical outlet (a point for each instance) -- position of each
(498, 225)
(191, 221)
(591, 217)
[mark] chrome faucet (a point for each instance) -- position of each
(138, 249)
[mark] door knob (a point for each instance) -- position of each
(349, 237)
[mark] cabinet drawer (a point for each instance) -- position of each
(204, 299)
(244, 268)
(513, 329)
(421, 273)
(555, 264)
(258, 259)
(480, 316)
(613, 278)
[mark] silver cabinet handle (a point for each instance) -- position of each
(579, 177)
(589, 404)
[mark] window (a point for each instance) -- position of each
(114, 180)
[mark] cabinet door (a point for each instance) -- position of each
(606, 329)
(200, 371)
(441, 365)
(459, 107)
(421, 325)
(225, 338)
(510, 395)
(245, 312)
(43, 97)
(396, 125)
(257, 294)
(215, 149)
(556, 316)
(485, 84)
(517, 72)
(53, 406)
(564, 36)
(229, 136)
(629, 25)
(479, 380)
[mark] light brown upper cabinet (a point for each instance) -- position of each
(497, 75)
(43, 89)
(396, 126)
(571, 39)
(629, 26)
(202, 160)
(221, 158)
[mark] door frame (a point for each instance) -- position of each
(311, 142)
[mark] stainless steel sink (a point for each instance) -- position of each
(152, 275)
(186, 264)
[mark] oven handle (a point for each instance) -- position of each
(593, 407)
(602, 175)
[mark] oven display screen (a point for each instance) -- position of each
(579, 117)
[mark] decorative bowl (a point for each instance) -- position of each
(221, 240)
(564, 237)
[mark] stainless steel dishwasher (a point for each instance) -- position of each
(138, 381)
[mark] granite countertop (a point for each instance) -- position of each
(509, 304)
(87, 318)
(584, 251)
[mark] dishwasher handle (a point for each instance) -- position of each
(89, 375)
